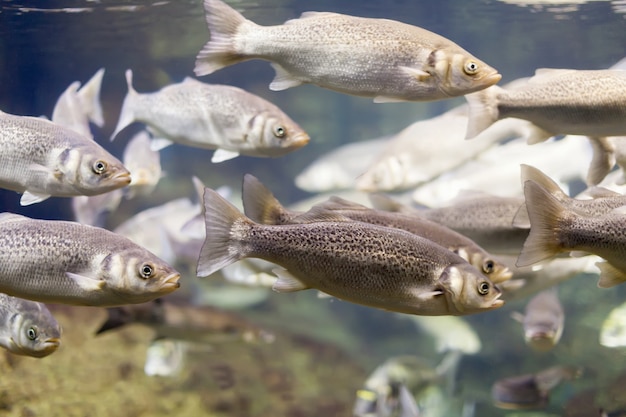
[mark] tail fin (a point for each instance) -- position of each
(116, 317)
(221, 246)
(89, 96)
(602, 161)
(219, 52)
(127, 114)
(545, 212)
(483, 110)
(260, 205)
(529, 173)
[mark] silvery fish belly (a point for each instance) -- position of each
(69, 263)
(367, 264)
(379, 58)
(42, 159)
(27, 327)
(213, 116)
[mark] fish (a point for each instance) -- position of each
(165, 357)
(27, 327)
(556, 229)
(93, 210)
(429, 148)
(144, 165)
(543, 320)
(183, 322)
(42, 159)
(613, 329)
(54, 261)
(450, 333)
(557, 101)
(261, 206)
(530, 391)
(212, 116)
(379, 58)
(362, 263)
(75, 107)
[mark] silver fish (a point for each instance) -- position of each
(613, 329)
(27, 327)
(555, 229)
(93, 210)
(558, 101)
(42, 159)
(212, 116)
(70, 263)
(165, 357)
(543, 320)
(75, 108)
(261, 206)
(185, 322)
(379, 58)
(363, 263)
(144, 165)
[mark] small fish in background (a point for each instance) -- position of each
(70, 263)
(543, 320)
(210, 116)
(27, 327)
(93, 210)
(144, 165)
(339, 168)
(165, 358)
(429, 148)
(613, 329)
(261, 206)
(450, 333)
(379, 58)
(555, 228)
(183, 322)
(353, 261)
(531, 391)
(42, 159)
(75, 108)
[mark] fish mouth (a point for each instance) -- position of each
(300, 140)
(121, 177)
(490, 79)
(171, 283)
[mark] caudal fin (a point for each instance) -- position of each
(221, 246)
(483, 110)
(127, 114)
(89, 96)
(224, 22)
(544, 212)
(260, 205)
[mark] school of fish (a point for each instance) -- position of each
(448, 248)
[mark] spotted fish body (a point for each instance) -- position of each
(42, 159)
(27, 327)
(367, 264)
(69, 263)
(379, 58)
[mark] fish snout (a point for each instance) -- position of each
(170, 283)
(299, 140)
(121, 177)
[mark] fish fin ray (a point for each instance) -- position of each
(421, 75)
(602, 160)
(260, 205)
(483, 110)
(429, 295)
(609, 275)
(283, 79)
(86, 283)
(219, 248)
(89, 96)
(534, 134)
(127, 114)
(221, 155)
(286, 282)
(30, 197)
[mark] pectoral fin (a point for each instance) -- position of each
(29, 198)
(86, 283)
(609, 275)
(157, 144)
(430, 295)
(287, 282)
(416, 73)
(283, 80)
(221, 155)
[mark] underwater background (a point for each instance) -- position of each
(324, 349)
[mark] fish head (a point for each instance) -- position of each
(135, 275)
(275, 134)
(468, 291)
(34, 331)
(460, 73)
(542, 336)
(518, 393)
(91, 169)
(496, 271)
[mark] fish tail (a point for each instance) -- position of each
(259, 203)
(89, 96)
(127, 114)
(602, 161)
(116, 317)
(545, 213)
(224, 23)
(483, 110)
(529, 173)
(223, 224)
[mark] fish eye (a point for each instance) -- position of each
(146, 270)
(483, 288)
(471, 67)
(31, 333)
(279, 131)
(488, 266)
(99, 167)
